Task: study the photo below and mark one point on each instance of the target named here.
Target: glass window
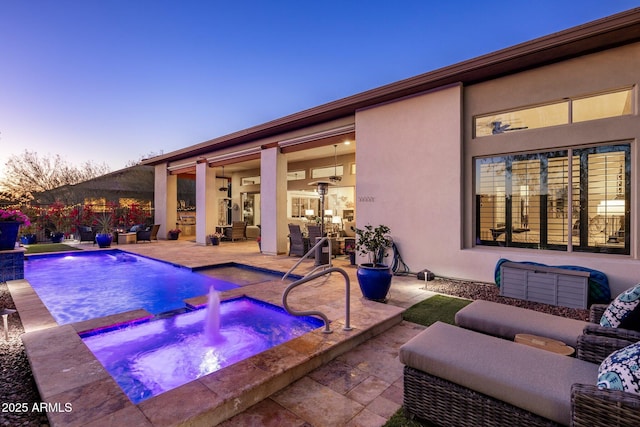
(303, 204)
(327, 172)
(602, 106)
(523, 200)
(604, 199)
(582, 109)
(296, 175)
(527, 118)
(250, 180)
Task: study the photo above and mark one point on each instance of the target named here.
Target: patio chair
(313, 232)
(87, 234)
(298, 244)
(148, 234)
(238, 230)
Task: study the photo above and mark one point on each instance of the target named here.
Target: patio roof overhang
(612, 31)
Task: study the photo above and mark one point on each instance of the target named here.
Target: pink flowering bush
(13, 215)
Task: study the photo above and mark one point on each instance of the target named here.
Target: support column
(273, 201)
(165, 200)
(206, 207)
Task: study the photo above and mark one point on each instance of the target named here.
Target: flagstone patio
(350, 378)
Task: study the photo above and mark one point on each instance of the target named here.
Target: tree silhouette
(29, 173)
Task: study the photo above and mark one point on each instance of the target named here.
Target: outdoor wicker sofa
(458, 377)
(505, 321)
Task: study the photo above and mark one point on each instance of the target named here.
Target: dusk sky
(113, 80)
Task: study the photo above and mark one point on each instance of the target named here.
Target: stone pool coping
(69, 376)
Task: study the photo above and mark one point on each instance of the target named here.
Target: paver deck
(343, 378)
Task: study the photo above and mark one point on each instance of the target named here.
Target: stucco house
(528, 153)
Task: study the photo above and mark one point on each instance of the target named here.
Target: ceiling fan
(335, 177)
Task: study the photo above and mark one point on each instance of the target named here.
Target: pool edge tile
(33, 313)
(181, 405)
(89, 403)
(60, 361)
(111, 320)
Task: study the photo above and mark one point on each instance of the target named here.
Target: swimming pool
(86, 285)
(155, 356)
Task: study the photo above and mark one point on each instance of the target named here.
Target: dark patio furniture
(313, 232)
(87, 234)
(298, 244)
(148, 234)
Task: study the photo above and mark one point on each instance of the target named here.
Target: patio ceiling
(304, 152)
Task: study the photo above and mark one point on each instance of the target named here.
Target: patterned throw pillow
(624, 311)
(621, 370)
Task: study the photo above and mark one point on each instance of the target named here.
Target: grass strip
(49, 247)
(438, 307)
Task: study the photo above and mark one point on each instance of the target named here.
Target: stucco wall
(415, 175)
(408, 176)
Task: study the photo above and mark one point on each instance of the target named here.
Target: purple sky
(113, 80)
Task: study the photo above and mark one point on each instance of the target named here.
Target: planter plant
(10, 223)
(215, 238)
(28, 235)
(374, 277)
(350, 249)
(174, 234)
(104, 226)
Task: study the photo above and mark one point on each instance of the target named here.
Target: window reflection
(582, 109)
(531, 200)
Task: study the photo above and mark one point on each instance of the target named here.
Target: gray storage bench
(505, 321)
(548, 285)
(454, 376)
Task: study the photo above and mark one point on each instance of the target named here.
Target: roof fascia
(606, 33)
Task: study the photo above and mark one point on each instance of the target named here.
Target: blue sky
(112, 80)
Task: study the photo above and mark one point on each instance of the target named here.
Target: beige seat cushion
(506, 321)
(535, 380)
(253, 232)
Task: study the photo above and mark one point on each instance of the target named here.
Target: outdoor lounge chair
(238, 230)
(298, 244)
(148, 234)
(457, 377)
(505, 321)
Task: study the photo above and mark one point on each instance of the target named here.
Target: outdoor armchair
(238, 230)
(313, 232)
(298, 244)
(86, 234)
(148, 234)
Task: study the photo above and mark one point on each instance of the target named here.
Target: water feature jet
(212, 318)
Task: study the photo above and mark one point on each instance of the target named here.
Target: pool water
(155, 356)
(81, 286)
